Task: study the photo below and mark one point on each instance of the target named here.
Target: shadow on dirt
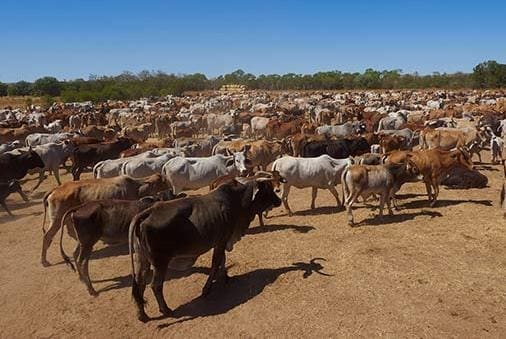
(396, 218)
(444, 203)
(239, 289)
(319, 211)
(276, 228)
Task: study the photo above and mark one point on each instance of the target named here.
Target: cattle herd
(146, 155)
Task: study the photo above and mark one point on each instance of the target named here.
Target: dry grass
(425, 272)
(20, 101)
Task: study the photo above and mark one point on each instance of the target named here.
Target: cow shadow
(444, 203)
(239, 290)
(5, 218)
(396, 218)
(126, 280)
(483, 167)
(319, 211)
(23, 204)
(110, 251)
(276, 228)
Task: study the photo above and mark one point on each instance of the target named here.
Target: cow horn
(264, 179)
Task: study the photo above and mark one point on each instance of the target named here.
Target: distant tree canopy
(47, 86)
(127, 85)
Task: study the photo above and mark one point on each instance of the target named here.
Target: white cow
(112, 167)
(55, 126)
(36, 139)
(10, 146)
(53, 155)
(340, 131)
(194, 173)
(138, 168)
(322, 172)
(258, 125)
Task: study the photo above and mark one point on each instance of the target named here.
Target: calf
(105, 220)
(73, 193)
(364, 180)
(6, 189)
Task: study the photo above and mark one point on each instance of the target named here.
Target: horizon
(72, 40)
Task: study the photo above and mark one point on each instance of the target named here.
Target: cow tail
(62, 251)
(44, 202)
(344, 186)
(133, 235)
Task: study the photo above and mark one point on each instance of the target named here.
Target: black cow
(16, 166)
(6, 189)
(90, 154)
(106, 220)
(175, 233)
(337, 149)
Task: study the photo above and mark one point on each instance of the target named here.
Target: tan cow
(73, 193)
(434, 165)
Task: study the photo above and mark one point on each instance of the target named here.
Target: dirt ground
(425, 272)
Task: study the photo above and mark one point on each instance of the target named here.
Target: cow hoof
(143, 317)
(45, 263)
(166, 311)
(93, 293)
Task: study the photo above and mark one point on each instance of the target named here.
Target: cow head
(275, 178)
(241, 161)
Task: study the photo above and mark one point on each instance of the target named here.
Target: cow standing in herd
(175, 233)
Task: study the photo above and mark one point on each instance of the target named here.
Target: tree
(3, 89)
(19, 88)
(489, 74)
(47, 86)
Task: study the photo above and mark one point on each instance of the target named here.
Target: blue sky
(71, 39)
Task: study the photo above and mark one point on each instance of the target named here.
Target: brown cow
(390, 143)
(73, 193)
(434, 165)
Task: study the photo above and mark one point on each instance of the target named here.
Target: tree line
(489, 74)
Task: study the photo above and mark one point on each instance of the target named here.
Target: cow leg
(56, 174)
(314, 192)
(389, 198)
(218, 260)
(261, 219)
(157, 286)
(381, 205)
(428, 187)
(41, 179)
(284, 198)
(82, 263)
(48, 238)
(139, 282)
(4, 205)
(77, 250)
(436, 192)
(351, 201)
(333, 190)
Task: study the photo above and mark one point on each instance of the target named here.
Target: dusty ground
(425, 272)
